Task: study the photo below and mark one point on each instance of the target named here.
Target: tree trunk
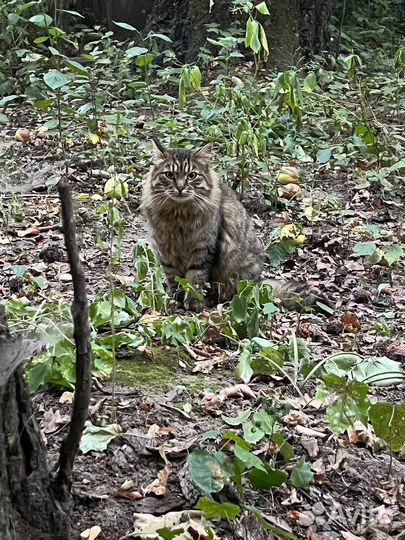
(295, 28)
(27, 502)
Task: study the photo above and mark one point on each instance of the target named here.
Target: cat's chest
(176, 238)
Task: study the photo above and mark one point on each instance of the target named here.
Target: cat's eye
(192, 175)
(170, 175)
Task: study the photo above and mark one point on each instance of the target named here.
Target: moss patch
(171, 366)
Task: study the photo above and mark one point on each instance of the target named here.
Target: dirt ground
(358, 485)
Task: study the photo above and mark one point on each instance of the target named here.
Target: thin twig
(81, 334)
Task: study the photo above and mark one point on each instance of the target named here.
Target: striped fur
(201, 230)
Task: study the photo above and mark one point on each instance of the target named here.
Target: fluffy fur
(201, 230)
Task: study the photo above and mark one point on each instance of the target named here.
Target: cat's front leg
(198, 277)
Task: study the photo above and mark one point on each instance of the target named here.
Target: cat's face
(179, 175)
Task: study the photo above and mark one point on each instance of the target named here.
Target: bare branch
(81, 326)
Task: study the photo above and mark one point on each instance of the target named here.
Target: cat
(203, 233)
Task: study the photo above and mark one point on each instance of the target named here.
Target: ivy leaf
(302, 476)
(56, 79)
(209, 471)
(268, 478)
(389, 423)
(97, 438)
(239, 308)
(213, 509)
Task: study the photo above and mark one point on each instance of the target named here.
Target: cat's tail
(295, 295)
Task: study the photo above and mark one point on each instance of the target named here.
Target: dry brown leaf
(292, 499)
(309, 432)
(349, 536)
(351, 322)
(159, 486)
(237, 391)
(90, 534)
(31, 231)
(311, 446)
(124, 280)
(197, 530)
(360, 434)
(294, 418)
(318, 466)
(66, 397)
(52, 420)
(301, 518)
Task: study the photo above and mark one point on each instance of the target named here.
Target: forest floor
(358, 485)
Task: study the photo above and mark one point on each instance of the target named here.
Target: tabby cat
(203, 233)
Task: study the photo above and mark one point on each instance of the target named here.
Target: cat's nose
(180, 189)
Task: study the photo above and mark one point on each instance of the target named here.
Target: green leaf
(39, 374)
(195, 78)
(285, 449)
(214, 509)
(364, 248)
(136, 51)
(389, 423)
(244, 369)
(74, 13)
(209, 470)
(239, 308)
(41, 39)
(252, 35)
(235, 421)
(323, 156)
(248, 459)
(350, 403)
(159, 36)
(302, 476)
(265, 421)
(55, 79)
(170, 534)
(125, 26)
(42, 20)
(3, 118)
(77, 68)
(268, 478)
(310, 82)
(97, 438)
(252, 433)
(263, 41)
(7, 99)
(231, 436)
(262, 8)
(144, 60)
(393, 254)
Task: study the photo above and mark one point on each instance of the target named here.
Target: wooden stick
(81, 325)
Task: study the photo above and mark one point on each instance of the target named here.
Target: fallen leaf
(159, 486)
(351, 322)
(90, 534)
(66, 397)
(237, 391)
(31, 231)
(349, 536)
(52, 420)
(301, 518)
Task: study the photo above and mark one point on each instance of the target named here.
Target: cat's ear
(204, 153)
(159, 151)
